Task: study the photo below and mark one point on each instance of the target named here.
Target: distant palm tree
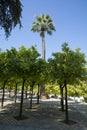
(43, 24)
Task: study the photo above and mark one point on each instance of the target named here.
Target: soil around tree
(70, 122)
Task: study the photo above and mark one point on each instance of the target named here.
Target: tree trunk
(42, 92)
(10, 91)
(15, 92)
(66, 105)
(2, 102)
(43, 46)
(26, 92)
(22, 95)
(38, 93)
(31, 95)
(62, 100)
(42, 89)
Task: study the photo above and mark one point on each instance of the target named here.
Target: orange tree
(26, 58)
(67, 67)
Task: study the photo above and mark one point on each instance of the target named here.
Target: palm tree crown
(43, 24)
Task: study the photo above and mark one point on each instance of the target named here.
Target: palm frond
(43, 24)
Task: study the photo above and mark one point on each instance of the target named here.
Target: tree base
(69, 122)
(44, 96)
(20, 118)
(60, 109)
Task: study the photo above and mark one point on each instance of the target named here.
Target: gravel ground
(45, 116)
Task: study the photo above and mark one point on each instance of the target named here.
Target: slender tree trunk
(22, 95)
(38, 93)
(15, 92)
(26, 92)
(31, 95)
(66, 105)
(43, 45)
(62, 100)
(42, 88)
(10, 91)
(2, 102)
(42, 91)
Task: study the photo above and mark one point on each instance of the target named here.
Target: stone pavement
(46, 116)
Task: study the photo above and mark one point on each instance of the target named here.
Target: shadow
(70, 122)
(45, 115)
(22, 118)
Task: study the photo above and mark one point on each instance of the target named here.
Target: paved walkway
(46, 116)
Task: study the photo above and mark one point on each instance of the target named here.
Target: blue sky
(69, 18)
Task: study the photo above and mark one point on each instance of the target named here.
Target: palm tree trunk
(42, 88)
(43, 45)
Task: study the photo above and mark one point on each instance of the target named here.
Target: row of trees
(24, 66)
(66, 67)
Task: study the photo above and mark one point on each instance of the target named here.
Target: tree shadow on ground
(42, 114)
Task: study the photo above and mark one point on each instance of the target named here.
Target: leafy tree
(26, 59)
(56, 69)
(10, 15)
(43, 24)
(4, 73)
(13, 65)
(42, 72)
(68, 67)
(7, 67)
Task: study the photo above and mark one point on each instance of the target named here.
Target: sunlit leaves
(68, 65)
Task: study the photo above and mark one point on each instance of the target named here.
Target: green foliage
(39, 71)
(27, 59)
(23, 64)
(52, 89)
(68, 65)
(10, 14)
(13, 61)
(4, 70)
(43, 24)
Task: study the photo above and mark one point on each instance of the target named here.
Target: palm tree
(43, 24)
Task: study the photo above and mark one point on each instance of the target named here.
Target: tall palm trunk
(42, 89)
(43, 45)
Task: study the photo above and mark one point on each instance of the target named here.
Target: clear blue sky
(70, 20)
